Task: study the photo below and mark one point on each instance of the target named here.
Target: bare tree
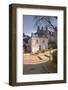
(49, 21)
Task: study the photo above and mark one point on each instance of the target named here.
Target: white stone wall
(52, 38)
(36, 45)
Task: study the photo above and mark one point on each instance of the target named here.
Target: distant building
(42, 40)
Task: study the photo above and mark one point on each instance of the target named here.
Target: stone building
(42, 40)
(38, 43)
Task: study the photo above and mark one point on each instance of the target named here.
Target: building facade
(38, 43)
(42, 40)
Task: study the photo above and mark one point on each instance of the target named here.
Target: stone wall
(39, 43)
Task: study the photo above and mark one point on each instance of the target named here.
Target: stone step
(42, 57)
(47, 56)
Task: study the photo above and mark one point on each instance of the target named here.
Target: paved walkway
(38, 63)
(46, 67)
(37, 58)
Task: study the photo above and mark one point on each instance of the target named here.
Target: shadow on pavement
(47, 67)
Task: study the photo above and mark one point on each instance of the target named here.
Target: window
(36, 41)
(43, 41)
(39, 47)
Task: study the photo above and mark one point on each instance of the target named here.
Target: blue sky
(29, 22)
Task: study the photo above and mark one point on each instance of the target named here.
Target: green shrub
(54, 57)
